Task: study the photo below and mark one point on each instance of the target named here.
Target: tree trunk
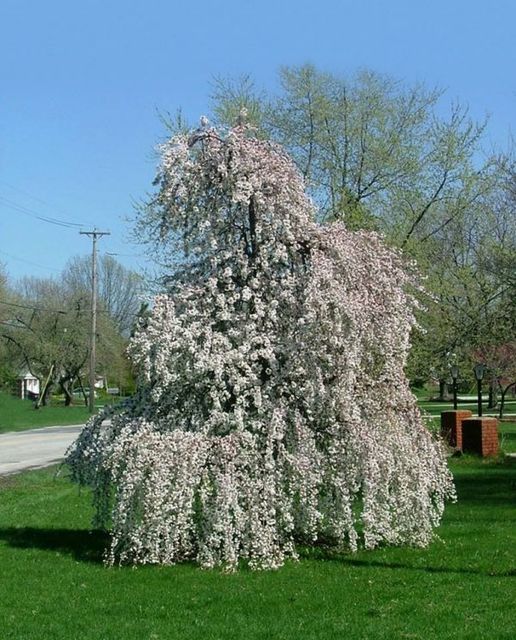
(493, 396)
(79, 380)
(65, 387)
(45, 399)
(442, 389)
(502, 398)
(42, 400)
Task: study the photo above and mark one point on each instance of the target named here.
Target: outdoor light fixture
(454, 370)
(479, 370)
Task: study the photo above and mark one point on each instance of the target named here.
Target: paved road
(35, 448)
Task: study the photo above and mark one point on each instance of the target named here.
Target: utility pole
(93, 337)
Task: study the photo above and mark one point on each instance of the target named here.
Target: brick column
(480, 435)
(451, 426)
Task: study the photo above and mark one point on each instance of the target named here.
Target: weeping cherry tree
(272, 409)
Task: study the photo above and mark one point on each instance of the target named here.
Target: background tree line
(385, 156)
(45, 326)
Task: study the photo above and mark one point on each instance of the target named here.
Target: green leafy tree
(7, 364)
(379, 154)
(48, 333)
(374, 151)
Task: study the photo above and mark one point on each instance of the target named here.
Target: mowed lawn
(17, 415)
(53, 584)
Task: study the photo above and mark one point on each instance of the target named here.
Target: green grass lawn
(435, 408)
(53, 584)
(506, 428)
(16, 414)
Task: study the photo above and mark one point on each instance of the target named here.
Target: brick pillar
(480, 435)
(451, 426)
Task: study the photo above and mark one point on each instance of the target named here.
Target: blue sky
(80, 83)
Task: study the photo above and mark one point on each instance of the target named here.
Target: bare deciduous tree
(120, 289)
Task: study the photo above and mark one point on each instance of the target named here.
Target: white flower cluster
(272, 407)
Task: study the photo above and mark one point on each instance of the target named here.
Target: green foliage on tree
(379, 154)
(45, 326)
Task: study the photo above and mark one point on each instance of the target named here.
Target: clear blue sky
(80, 82)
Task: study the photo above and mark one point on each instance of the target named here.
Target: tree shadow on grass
(488, 488)
(378, 564)
(88, 546)
(484, 488)
(82, 544)
(347, 558)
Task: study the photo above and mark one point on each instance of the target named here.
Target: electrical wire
(125, 255)
(32, 308)
(32, 213)
(32, 197)
(34, 264)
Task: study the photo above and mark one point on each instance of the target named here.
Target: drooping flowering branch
(272, 403)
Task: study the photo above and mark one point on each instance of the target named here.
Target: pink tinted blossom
(272, 405)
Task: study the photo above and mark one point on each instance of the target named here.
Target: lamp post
(479, 370)
(454, 370)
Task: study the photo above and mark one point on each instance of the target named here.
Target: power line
(32, 308)
(32, 213)
(34, 264)
(32, 196)
(125, 255)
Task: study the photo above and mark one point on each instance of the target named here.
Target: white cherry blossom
(272, 407)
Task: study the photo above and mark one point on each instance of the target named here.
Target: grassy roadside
(17, 415)
(53, 584)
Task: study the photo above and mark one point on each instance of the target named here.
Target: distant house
(27, 385)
